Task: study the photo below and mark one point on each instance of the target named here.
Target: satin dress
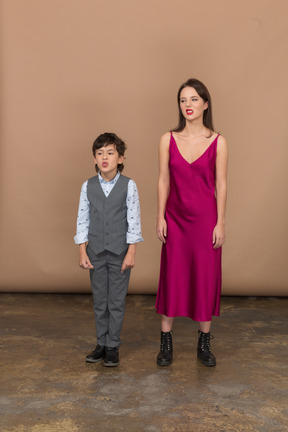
(190, 269)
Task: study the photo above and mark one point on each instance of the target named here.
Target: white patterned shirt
(133, 234)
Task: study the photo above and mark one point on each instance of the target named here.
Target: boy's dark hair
(109, 138)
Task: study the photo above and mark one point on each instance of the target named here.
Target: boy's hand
(129, 260)
(84, 261)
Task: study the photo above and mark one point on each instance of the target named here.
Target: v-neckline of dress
(191, 163)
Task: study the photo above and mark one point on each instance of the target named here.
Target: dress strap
(172, 139)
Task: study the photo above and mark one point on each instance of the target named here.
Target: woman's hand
(218, 236)
(161, 230)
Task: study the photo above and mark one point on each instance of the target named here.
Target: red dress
(190, 271)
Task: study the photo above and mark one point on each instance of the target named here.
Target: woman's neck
(195, 129)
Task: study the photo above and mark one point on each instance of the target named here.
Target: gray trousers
(109, 288)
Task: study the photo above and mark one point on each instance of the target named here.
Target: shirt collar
(112, 182)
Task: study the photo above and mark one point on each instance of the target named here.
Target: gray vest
(108, 216)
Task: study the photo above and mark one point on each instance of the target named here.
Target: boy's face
(107, 159)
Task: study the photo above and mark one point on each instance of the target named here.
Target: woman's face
(191, 104)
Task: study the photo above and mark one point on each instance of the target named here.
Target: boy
(109, 220)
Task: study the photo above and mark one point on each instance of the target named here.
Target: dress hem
(188, 316)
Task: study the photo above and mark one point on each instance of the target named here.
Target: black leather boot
(165, 355)
(203, 350)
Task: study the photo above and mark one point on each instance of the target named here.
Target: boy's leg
(118, 286)
(99, 285)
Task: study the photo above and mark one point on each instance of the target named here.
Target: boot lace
(205, 341)
(166, 341)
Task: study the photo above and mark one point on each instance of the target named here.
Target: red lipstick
(189, 111)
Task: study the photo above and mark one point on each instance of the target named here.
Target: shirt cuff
(81, 238)
(133, 238)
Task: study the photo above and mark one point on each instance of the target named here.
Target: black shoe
(165, 355)
(203, 350)
(97, 355)
(111, 357)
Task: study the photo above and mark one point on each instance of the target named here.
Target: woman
(191, 220)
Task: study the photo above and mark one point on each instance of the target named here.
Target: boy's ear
(121, 159)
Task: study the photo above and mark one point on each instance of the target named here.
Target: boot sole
(163, 364)
(207, 364)
(94, 361)
(111, 364)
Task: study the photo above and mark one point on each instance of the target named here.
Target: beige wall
(72, 69)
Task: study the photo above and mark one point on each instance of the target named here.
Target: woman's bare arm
(163, 186)
(221, 192)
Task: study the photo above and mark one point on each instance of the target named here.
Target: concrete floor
(47, 386)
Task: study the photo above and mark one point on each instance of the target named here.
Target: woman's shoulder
(222, 147)
(222, 140)
(166, 136)
(165, 140)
